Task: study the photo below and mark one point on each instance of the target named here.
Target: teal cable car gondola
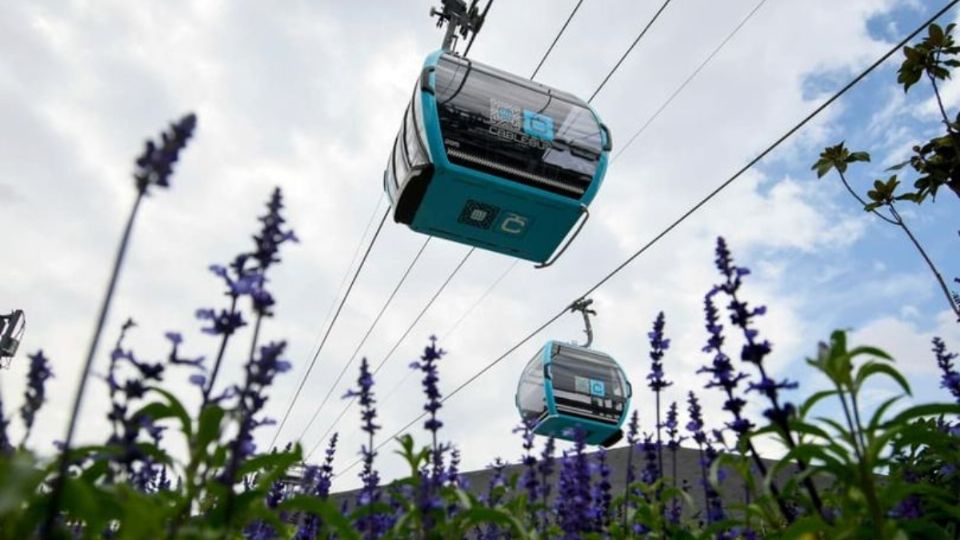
(495, 161)
(567, 387)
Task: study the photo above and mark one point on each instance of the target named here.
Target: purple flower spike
(35, 394)
(754, 351)
(155, 164)
(272, 233)
(949, 377)
(5, 446)
(573, 505)
(428, 365)
(370, 525)
(658, 344)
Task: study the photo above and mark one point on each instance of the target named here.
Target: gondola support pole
(583, 306)
(459, 20)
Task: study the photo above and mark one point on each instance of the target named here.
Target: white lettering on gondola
(509, 135)
(513, 224)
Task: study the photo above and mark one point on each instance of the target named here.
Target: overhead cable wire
(556, 39)
(689, 78)
(363, 340)
(453, 328)
(397, 344)
(483, 17)
(629, 49)
(776, 143)
(336, 315)
(346, 271)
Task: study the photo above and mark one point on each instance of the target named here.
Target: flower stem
(220, 353)
(245, 420)
(57, 491)
(953, 184)
(843, 178)
(923, 253)
(866, 472)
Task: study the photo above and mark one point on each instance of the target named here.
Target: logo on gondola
(593, 387)
(511, 123)
(514, 224)
(478, 214)
(538, 125)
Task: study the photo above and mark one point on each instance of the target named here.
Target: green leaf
(858, 156)
(208, 428)
(176, 410)
(928, 409)
(872, 368)
(935, 33)
(812, 400)
(269, 463)
(877, 416)
(804, 528)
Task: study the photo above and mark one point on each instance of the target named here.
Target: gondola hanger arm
(583, 306)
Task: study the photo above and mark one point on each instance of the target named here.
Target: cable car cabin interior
(493, 160)
(565, 387)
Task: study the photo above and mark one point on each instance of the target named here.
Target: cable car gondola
(567, 387)
(12, 327)
(495, 161)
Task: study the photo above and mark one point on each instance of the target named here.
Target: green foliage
(932, 56)
(837, 157)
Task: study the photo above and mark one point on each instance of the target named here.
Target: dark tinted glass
(587, 384)
(509, 127)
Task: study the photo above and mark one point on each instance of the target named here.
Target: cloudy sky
(308, 96)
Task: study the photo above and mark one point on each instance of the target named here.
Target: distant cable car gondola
(566, 387)
(11, 333)
(493, 160)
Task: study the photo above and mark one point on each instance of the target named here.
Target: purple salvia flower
(495, 490)
(35, 393)
(155, 164)
(224, 323)
(573, 504)
(452, 477)
(673, 444)
(325, 479)
(317, 481)
(369, 525)
(428, 365)
(545, 468)
(673, 428)
(602, 497)
(5, 446)
(715, 512)
(695, 426)
(753, 351)
(949, 377)
(260, 372)
(630, 475)
(271, 233)
(651, 470)
(657, 382)
(531, 483)
(721, 369)
(658, 345)
(174, 357)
